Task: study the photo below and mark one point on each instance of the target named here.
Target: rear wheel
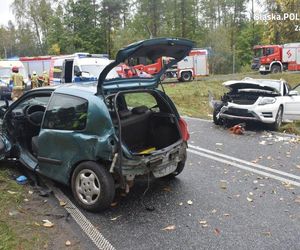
(92, 186)
(186, 76)
(276, 125)
(275, 69)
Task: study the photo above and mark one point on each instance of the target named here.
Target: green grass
(17, 231)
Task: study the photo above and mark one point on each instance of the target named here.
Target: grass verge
(17, 229)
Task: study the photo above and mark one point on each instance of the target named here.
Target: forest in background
(226, 27)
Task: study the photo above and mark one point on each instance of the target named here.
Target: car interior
(24, 122)
(154, 127)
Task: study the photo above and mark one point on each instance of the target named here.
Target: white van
(5, 74)
(78, 67)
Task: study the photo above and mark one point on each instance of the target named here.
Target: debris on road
(217, 231)
(249, 199)
(68, 243)
(167, 189)
(238, 129)
(115, 218)
(169, 228)
(190, 202)
(47, 223)
(223, 184)
(21, 180)
(62, 203)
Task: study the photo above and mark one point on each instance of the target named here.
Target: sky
(5, 12)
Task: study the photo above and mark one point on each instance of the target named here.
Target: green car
(100, 136)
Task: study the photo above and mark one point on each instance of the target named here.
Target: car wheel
(92, 186)
(275, 69)
(217, 121)
(186, 76)
(278, 121)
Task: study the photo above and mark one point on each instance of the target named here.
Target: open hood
(151, 49)
(259, 84)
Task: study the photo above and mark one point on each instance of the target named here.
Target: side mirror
(293, 93)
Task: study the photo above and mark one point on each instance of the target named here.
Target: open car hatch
(151, 49)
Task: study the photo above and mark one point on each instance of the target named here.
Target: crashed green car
(100, 136)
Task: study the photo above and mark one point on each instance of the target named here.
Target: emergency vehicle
(39, 64)
(195, 64)
(78, 67)
(276, 58)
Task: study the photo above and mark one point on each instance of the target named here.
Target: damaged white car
(263, 100)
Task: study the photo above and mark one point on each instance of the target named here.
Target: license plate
(163, 171)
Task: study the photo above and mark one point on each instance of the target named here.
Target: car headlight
(267, 100)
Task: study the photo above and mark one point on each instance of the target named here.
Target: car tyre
(276, 69)
(92, 186)
(278, 121)
(186, 76)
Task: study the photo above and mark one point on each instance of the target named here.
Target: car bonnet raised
(151, 49)
(260, 84)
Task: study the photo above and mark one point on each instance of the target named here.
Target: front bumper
(264, 68)
(262, 113)
(159, 164)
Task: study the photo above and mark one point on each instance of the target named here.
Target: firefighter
(34, 80)
(17, 81)
(46, 78)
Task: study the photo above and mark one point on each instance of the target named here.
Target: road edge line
(88, 228)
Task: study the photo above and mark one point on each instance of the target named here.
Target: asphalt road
(234, 193)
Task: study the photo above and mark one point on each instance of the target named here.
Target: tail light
(184, 130)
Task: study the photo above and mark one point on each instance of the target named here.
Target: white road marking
(83, 222)
(246, 162)
(282, 179)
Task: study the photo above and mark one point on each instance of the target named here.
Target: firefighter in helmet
(17, 81)
(46, 78)
(34, 80)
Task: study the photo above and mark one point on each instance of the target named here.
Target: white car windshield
(95, 70)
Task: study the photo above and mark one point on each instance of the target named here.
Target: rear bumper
(159, 164)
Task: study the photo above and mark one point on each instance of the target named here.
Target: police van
(78, 67)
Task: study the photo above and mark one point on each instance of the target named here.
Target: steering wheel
(34, 114)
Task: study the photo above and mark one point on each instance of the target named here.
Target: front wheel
(278, 121)
(276, 69)
(92, 186)
(186, 76)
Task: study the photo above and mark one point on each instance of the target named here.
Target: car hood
(151, 49)
(253, 85)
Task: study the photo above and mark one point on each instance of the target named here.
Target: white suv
(265, 100)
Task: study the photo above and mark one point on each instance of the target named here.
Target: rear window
(66, 112)
(140, 99)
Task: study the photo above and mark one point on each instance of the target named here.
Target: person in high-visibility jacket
(46, 78)
(18, 83)
(34, 80)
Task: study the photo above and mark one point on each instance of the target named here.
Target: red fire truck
(276, 58)
(39, 64)
(195, 64)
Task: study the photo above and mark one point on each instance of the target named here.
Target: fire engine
(193, 65)
(276, 58)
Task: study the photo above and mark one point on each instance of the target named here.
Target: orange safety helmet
(15, 69)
